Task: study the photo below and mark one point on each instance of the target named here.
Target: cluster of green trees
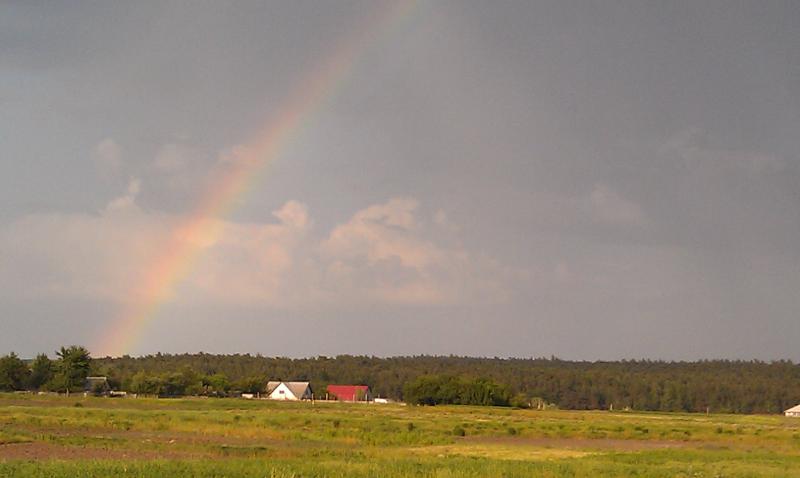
(65, 374)
(452, 390)
(719, 385)
(176, 384)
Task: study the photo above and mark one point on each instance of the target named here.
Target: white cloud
(381, 233)
(382, 254)
(293, 213)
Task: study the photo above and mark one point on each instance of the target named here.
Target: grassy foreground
(98, 437)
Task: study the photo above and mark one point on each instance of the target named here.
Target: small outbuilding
(289, 391)
(350, 393)
(793, 412)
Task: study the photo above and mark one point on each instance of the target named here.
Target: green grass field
(99, 437)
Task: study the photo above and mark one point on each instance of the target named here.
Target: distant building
(793, 412)
(289, 391)
(350, 393)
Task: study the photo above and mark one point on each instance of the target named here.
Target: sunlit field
(98, 437)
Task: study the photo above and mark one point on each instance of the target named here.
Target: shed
(350, 393)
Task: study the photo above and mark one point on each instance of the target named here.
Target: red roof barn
(350, 393)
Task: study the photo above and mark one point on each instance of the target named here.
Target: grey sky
(593, 180)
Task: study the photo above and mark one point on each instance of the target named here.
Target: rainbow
(205, 225)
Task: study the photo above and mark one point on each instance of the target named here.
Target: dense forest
(718, 385)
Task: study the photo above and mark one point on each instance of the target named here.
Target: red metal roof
(348, 393)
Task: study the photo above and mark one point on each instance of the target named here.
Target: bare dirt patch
(48, 451)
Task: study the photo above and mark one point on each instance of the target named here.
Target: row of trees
(452, 390)
(720, 385)
(66, 374)
(185, 382)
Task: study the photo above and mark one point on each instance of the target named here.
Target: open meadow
(76, 436)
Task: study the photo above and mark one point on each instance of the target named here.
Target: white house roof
(272, 385)
(795, 408)
(298, 389)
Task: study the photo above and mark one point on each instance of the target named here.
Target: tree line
(65, 374)
(715, 385)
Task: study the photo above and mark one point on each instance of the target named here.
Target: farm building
(289, 391)
(350, 393)
(793, 412)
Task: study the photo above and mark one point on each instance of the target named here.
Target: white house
(289, 391)
(793, 412)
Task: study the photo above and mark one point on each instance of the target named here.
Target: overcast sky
(591, 180)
